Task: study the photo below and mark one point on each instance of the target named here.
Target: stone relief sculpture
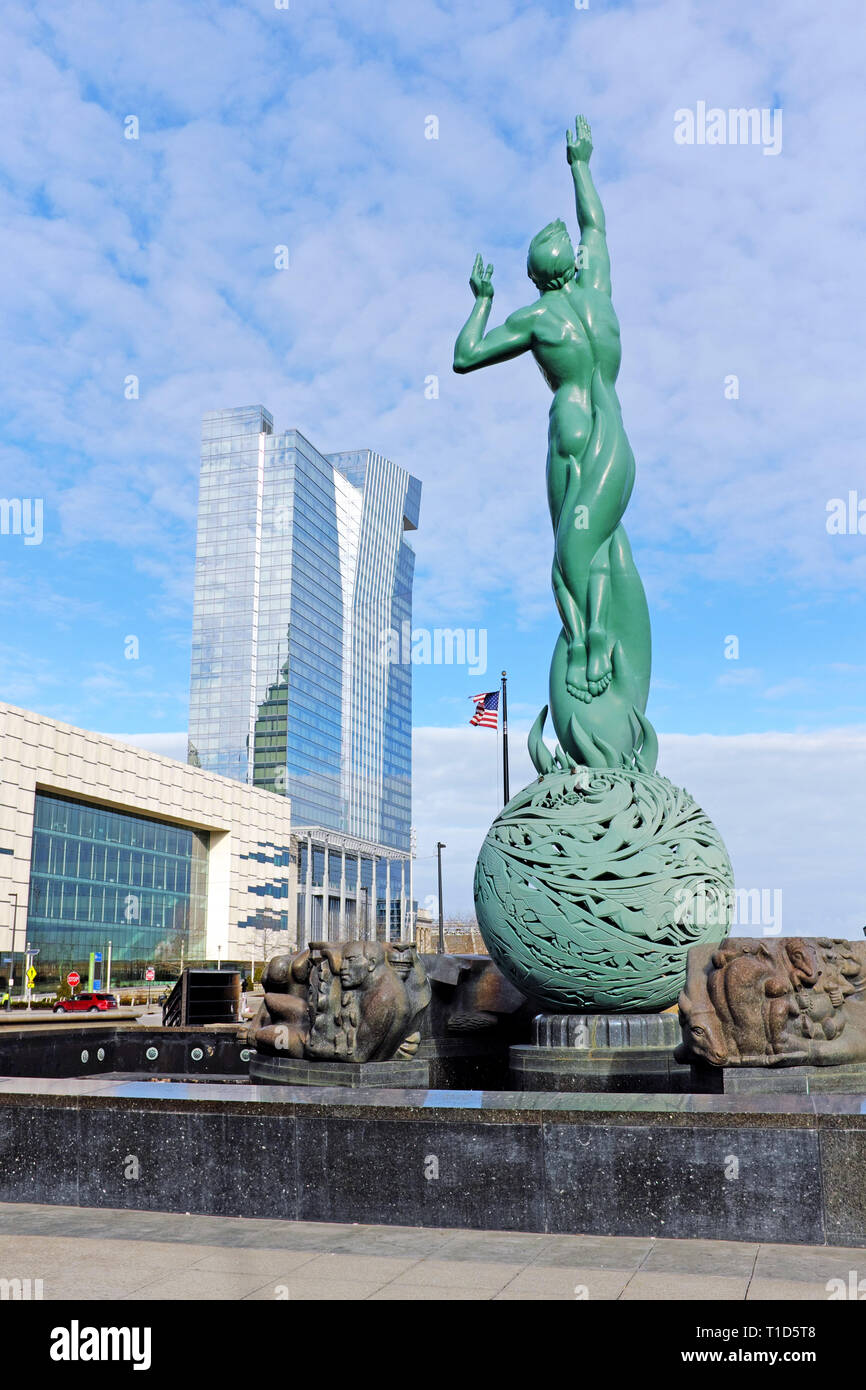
(787, 1001)
(348, 1001)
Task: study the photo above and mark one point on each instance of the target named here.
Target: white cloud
(156, 256)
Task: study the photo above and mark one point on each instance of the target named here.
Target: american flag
(486, 710)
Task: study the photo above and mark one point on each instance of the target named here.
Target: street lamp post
(439, 849)
(413, 845)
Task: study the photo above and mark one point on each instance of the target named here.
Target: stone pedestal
(266, 1069)
(845, 1079)
(600, 1052)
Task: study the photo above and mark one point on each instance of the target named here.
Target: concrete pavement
(85, 1254)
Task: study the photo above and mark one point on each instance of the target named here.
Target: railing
(172, 1009)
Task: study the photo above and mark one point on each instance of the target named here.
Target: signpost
(150, 976)
(29, 973)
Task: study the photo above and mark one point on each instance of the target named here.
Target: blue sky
(305, 127)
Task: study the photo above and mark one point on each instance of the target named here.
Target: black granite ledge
(205, 1096)
(787, 1169)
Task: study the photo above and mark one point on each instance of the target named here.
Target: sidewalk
(21, 1018)
(85, 1254)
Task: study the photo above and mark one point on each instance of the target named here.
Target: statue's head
(401, 958)
(703, 1035)
(357, 961)
(550, 262)
(804, 960)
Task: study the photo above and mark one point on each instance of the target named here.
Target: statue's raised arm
(475, 348)
(593, 261)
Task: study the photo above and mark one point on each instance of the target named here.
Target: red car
(85, 1003)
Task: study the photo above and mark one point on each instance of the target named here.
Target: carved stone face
(804, 959)
(401, 962)
(354, 968)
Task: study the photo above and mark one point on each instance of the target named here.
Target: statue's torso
(575, 331)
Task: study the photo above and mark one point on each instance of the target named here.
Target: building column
(374, 898)
(308, 897)
(388, 898)
(326, 896)
(343, 893)
(359, 898)
(402, 899)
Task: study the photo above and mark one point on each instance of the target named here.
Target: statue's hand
(580, 143)
(481, 280)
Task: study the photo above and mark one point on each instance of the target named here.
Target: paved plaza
(82, 1254)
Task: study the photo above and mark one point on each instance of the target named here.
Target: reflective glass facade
(302, 572)
(97, 875)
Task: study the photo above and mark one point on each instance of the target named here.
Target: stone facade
(252, 869)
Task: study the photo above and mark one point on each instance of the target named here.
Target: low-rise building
(105, 842)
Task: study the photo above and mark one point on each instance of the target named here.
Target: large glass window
(98, 874)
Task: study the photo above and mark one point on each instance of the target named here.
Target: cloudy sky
(307, 127)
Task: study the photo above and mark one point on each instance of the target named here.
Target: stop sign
(73, 979)
(150, 973)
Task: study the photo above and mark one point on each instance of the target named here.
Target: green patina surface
(600, 672)
(592, 885)
(579, 912)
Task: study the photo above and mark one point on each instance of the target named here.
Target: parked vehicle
(86, 1003)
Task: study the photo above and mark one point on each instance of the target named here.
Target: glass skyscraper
(301, 672)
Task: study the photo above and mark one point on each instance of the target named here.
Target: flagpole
(505, 788)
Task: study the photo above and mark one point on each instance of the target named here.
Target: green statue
(599, 676)
(593, 883)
